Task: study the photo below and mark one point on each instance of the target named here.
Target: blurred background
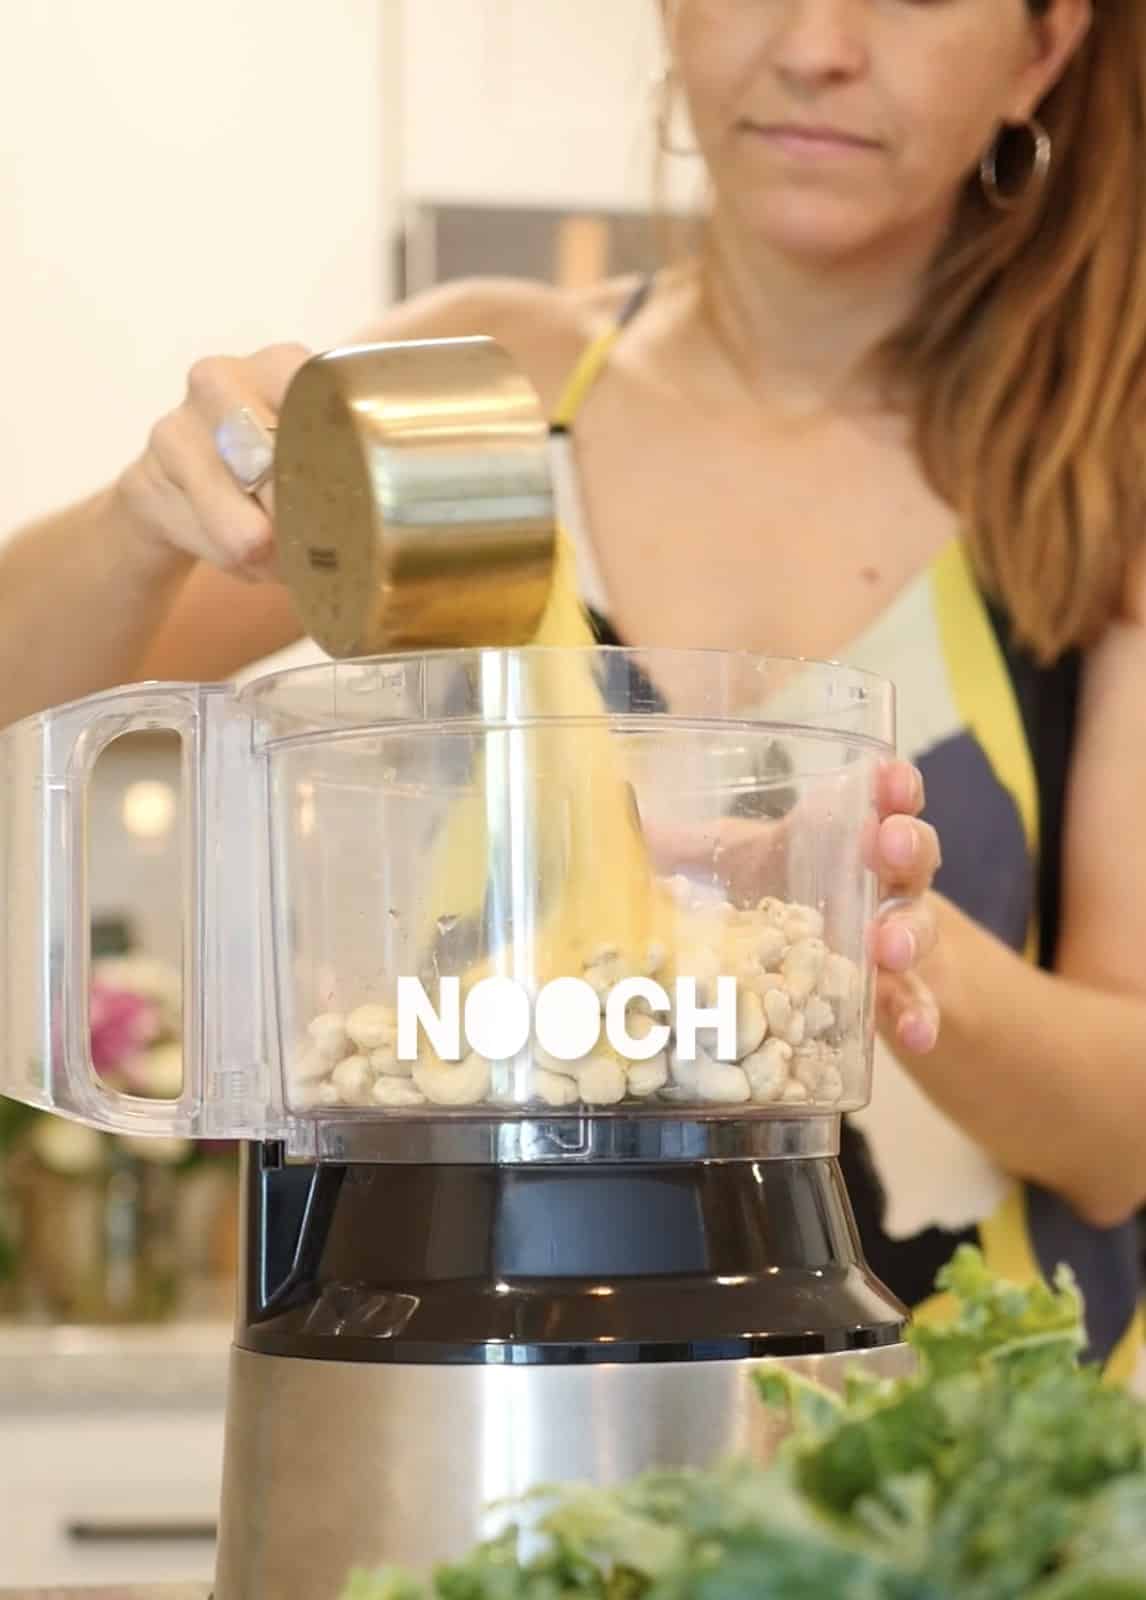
(184, 180)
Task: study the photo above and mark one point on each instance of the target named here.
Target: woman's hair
(1026, 360)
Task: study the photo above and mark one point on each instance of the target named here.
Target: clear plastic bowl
(487, 823)
(641, 877)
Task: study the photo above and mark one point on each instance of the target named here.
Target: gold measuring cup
(413, 506)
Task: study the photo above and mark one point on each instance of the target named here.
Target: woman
(888, 413)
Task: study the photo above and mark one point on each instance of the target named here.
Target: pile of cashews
(799, 1040)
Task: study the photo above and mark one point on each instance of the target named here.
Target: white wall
(182, 177)
(185, 177)
(177, 178)
(537, 102)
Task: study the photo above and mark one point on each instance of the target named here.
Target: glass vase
(97, 1240)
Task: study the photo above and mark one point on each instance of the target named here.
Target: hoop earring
(1042, 151)
(663, 98)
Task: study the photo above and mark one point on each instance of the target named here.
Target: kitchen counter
(64, 1369)
(158, 1592)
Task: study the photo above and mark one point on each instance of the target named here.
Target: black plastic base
(553, 1265)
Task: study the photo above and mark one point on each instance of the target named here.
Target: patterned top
(992, 732)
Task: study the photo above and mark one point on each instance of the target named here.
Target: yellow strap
(584, 376)
(984, 693)
(982, 687)
(985, 699)
(1006, 1248)
(1007, 1241)
(1122, 1362)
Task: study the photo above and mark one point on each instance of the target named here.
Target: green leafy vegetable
(1002, 1469)
(1038, 1326)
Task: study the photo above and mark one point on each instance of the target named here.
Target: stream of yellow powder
(550, 798)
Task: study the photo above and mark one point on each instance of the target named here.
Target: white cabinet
(175, 181)
(111, 1452)
(91, 1498)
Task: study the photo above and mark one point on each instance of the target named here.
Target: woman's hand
(904, 853)
(179, 495)
(751, 857)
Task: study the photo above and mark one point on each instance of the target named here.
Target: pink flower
(122, 1025)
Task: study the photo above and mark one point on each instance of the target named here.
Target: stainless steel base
(331, 1465)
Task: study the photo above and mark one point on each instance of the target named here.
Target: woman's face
(831, 127)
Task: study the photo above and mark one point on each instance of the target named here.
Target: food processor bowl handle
(46, 764)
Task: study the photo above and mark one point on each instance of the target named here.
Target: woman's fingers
(904, 935)
(908, 1014)
(907, 855)
(182, 492)
(899, 787)
(213, 515)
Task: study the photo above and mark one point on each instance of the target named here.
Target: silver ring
(246, 447)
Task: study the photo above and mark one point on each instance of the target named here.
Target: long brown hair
(1026, 360)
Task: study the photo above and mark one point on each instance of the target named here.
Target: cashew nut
(839, 978)
(778, 1011)
(372, 1027)
(767, 1070)
(686, 1074)
(784, 1021)
(812, 1060)
(354, 1080)
(329, 1037)
(310, 1067)
(447, 1085)
(840, 983)
(701, 962)
(802, 968)
(751, 1024)
(802, 922)
(773, 910)
(762, 982)
(603, 968)
(602, 1050)
(309, 1095)
(646, 1077)
(555, 1089)
(831, 1085)
(770, 945)
(386, 1064)
(723, 1084)
(397, 1092)
(602, 1082)
(818, 1017)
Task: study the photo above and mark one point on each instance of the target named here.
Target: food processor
(533, 977)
